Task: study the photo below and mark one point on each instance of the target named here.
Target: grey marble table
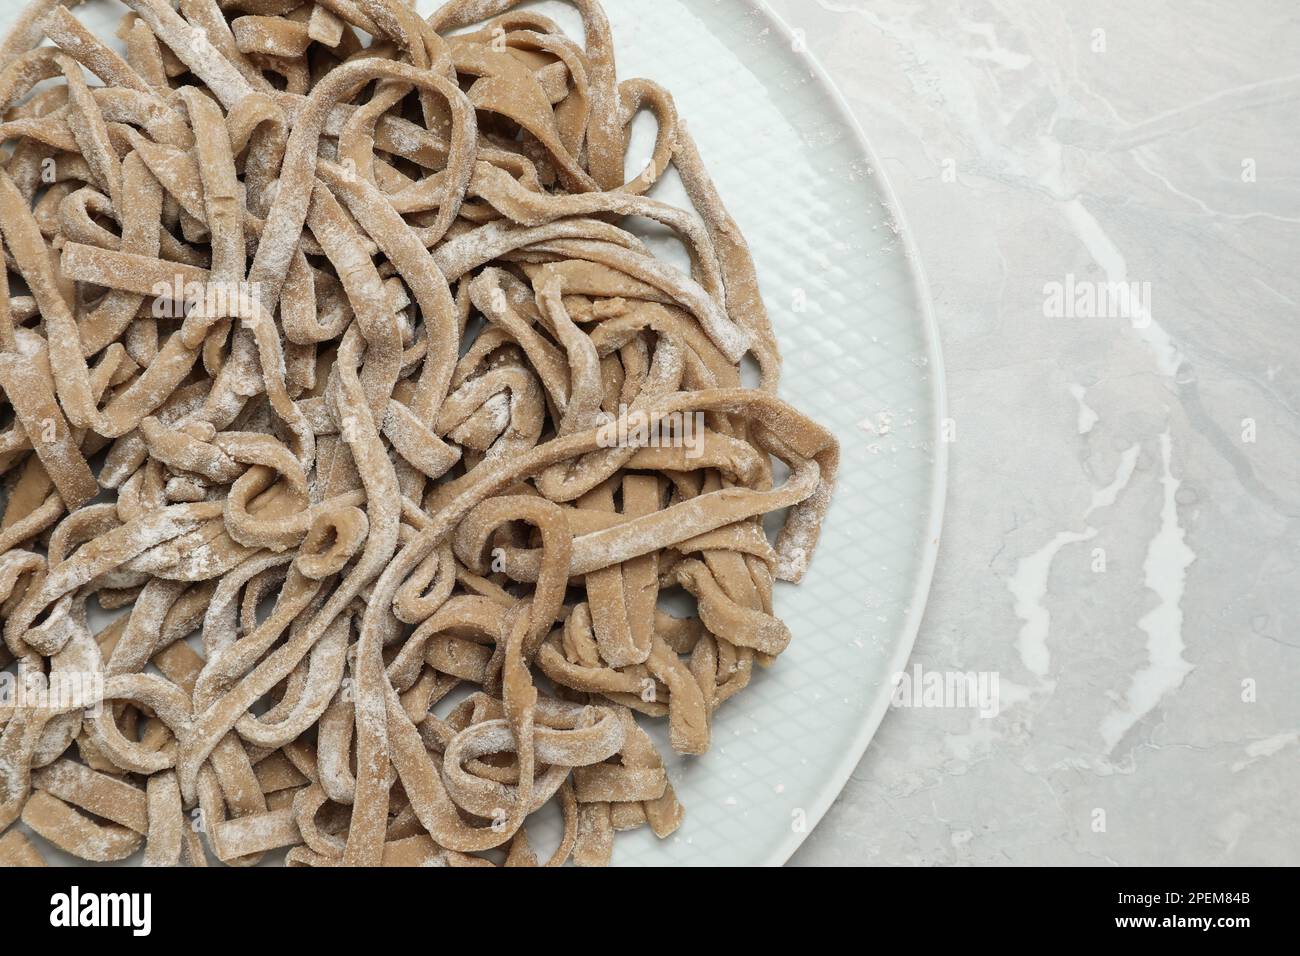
(1120, 548)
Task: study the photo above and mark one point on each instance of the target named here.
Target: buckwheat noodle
(325, 342)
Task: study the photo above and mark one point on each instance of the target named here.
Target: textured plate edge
(939, 473)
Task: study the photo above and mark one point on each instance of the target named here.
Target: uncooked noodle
(335, 369)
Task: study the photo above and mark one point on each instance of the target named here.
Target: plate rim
(829, 792)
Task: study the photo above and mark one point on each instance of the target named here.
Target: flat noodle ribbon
(335, 367)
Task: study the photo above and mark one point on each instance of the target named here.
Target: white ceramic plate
(852, 314)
